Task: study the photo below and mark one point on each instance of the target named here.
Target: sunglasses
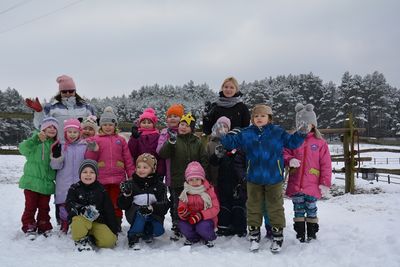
(67, 91)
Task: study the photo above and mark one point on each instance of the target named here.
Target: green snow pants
(81, 227)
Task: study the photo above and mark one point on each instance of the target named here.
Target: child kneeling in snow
(145, 200)
(90, 210)
(198, 207)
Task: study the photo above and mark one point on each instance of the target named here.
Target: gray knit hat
(108, 116)
(89, 163)
(305, 114)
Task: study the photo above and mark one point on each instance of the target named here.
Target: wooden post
(348, 148)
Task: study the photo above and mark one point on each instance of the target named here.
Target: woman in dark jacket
(90, 211)
(230, 105)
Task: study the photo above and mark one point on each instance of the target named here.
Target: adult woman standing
(67, 104)
(230, 105)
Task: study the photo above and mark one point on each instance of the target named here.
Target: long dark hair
(79, 99)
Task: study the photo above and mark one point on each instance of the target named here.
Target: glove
(294, 163)
(172, 136)
(304, 128)
(92, 146)
(145, 210)
(219, 151)
(324, 191)
(34, 104)
(183, 212)
(126, 187)
(135, 132)
(234, 131)
(195, 218)
(56, 150)
(90, 212)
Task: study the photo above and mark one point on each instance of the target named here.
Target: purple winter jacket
(161, 140)
(67, 167)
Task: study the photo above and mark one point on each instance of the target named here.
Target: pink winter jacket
(113, 158)
(196, 204)
(315, 167)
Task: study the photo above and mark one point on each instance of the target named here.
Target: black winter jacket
(81, 195)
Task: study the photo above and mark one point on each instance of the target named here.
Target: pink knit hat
(225, 120)
(150, 114)
(65, 83)
(194, 170)
(72, 123)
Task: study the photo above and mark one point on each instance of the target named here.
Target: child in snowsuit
(182, 149)
(263, 144)
(227, 170)
(310, 175)
(144, 138)
(66, 158)
(90, 211)
(38, 179)
(89, 127)
(144, 199)
(198, 207)
(111, 152)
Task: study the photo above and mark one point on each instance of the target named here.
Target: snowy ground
(355, 230)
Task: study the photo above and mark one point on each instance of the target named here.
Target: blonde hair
(232, 80)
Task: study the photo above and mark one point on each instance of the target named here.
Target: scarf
(228, 102)
(146, 131)
(196, 190)
(69, 102)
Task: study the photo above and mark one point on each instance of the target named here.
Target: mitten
(172, 136)
(183, 212)
(135, 132)
(234, 131)
(145, 210)
(294, 163)
(92, 146)
(56, 150)
(324, 191)
(195, 218)
(90, 212)
(34, 104)
(219, 151)
(126, 187)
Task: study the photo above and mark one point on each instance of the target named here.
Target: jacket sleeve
(29, 145)
(184, 205)
(232, 141)
(129, 166)
(132, 145)
(72, 202)
(203, 156)
(245, 117)
(167, 151)
(124, 202)
(288, 154)
(162, 139)
(214, 210)
(209, 120)
(325, 166)
(162, 205)
(292, 141)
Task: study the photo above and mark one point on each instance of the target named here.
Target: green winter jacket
(38, 175)
(188, 148)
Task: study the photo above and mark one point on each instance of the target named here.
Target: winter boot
(176, 234)
(268, 231)
(300, 228)
(224, 231)
(31, 234)
(312, 228)
(83, 244)
(254, 237)
(133, 242)
(209, 244)
(188, 242)
(277, 239)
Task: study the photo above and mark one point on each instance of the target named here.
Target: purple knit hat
(49, 121)
(225, 120)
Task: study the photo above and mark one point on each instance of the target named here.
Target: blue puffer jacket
(264, 151)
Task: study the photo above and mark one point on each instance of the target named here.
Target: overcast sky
(112, 47)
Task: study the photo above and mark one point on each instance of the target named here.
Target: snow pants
(36, 202)
(201, 230)
(113, 191)
(145, 226)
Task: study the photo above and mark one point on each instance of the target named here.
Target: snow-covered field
(355, 230)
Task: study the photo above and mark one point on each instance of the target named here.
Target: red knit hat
(150, 114)
(194, 170)
(65, 83)
(176, 109)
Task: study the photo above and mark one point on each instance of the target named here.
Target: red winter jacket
(113, 158)
(315, 167)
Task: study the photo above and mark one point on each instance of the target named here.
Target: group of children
(227, 185)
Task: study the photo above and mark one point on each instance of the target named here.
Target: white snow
(355, 230)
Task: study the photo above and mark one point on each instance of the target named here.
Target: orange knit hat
(176, 109)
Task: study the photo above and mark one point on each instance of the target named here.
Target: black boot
(312, 229)
(300, 228)
(277, 239)
(133, 242)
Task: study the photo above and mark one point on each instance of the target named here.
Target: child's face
(72, 134)
(173, 121)
(229, 89)
(88, 132)
(88, 176)
(184, 128)
(147, 124)
(261, 119)
(50, 131)
(143, 169)
(108, 128)
(195, 181)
